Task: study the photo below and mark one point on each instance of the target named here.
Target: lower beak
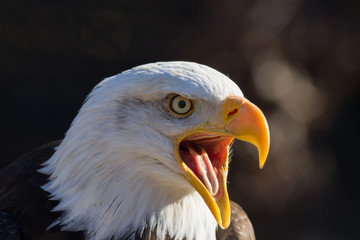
(241, 120)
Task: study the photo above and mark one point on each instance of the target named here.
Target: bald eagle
(145, 158)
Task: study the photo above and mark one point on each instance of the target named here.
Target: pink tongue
(205, 169)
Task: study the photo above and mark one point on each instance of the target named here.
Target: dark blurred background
(298, 60)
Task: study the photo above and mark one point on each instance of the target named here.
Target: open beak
(203, 153)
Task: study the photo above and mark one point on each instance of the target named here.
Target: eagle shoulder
(8, 228)
(240, 227)
(24, 206)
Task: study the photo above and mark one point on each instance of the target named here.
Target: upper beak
(239, 119)
(246, 122)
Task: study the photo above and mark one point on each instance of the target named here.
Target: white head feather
(115, 171)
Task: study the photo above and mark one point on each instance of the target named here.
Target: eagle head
(150, 149)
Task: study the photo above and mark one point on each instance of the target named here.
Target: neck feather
(122, 199)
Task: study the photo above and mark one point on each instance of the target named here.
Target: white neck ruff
(123, 198)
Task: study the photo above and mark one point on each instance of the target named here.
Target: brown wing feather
(24, 205)
(150, 235)
(240, 226)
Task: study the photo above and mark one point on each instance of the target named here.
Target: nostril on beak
(233, 112)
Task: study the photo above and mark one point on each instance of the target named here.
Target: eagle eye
(180, 106)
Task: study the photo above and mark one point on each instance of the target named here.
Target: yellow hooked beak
(249, 125)
(203, 152)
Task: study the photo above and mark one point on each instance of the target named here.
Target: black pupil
(182, 104)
